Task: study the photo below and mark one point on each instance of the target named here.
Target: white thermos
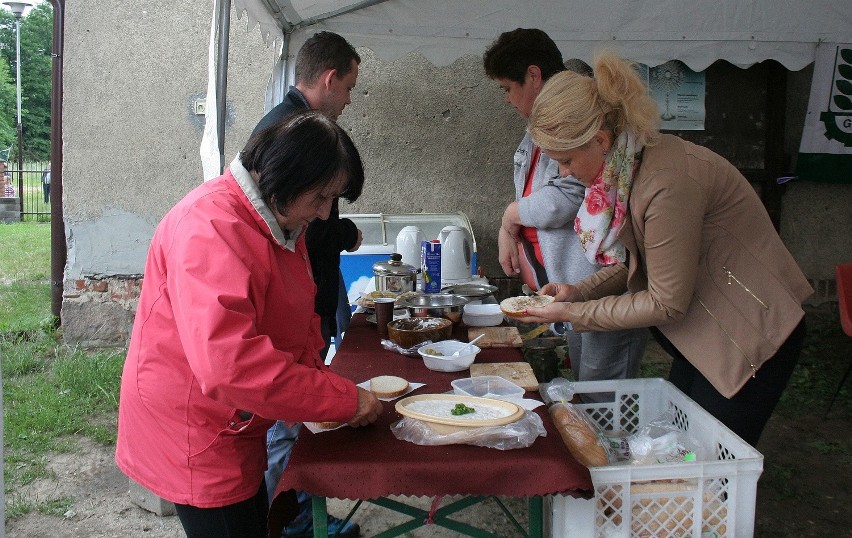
(455, 256)
(408, 245)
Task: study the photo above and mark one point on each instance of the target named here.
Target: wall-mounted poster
(679, 92)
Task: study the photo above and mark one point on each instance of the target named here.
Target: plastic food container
(482, 315)
(487, 386)
(439, 356)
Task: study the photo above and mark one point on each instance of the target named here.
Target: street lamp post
(18, 9)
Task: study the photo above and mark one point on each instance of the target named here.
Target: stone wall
(98, 311)
(10, 209)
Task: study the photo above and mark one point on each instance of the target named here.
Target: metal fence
(33, 195)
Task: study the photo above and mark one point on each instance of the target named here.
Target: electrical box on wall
(200, 107)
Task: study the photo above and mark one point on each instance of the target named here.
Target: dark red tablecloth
(368, 463)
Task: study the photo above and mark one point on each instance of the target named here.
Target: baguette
(388, 386)
(582, 441)
(516, 307)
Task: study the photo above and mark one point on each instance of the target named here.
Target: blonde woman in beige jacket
(682, 232)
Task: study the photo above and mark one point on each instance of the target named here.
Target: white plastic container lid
(487, 386)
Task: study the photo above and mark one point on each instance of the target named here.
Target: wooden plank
(519, 373)
(496, 336)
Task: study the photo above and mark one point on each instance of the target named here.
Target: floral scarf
(602, 214)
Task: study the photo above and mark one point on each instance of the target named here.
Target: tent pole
(223, 16)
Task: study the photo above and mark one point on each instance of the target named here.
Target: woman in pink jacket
(225, 339)
(688, 247)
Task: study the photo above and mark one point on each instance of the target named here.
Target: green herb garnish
(462, 409)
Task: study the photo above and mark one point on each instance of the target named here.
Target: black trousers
(748, 411)
(246, 519)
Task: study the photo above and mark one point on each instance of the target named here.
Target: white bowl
(482, 315)
(439, 356)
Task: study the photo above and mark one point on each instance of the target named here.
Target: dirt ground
(804, 491)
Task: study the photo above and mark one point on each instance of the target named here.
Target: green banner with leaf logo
(825, 153)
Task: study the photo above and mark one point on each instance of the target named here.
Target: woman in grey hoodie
(536, 238)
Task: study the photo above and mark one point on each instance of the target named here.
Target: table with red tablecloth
(370, 463)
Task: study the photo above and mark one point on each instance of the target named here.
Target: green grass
(24, 277)
(52, 393)
(25, 255)
(824, 359)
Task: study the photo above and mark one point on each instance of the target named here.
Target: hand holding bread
(368, 411)
(565, 293)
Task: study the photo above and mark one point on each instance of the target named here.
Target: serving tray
(450, 424)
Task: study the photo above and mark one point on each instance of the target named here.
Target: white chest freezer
(379, 231)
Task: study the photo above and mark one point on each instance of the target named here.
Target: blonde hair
(572, 108)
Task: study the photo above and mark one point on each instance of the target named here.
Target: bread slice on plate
(388, 386)
(516, 307)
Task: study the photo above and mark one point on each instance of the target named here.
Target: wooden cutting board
(496, 336)
(519, 373)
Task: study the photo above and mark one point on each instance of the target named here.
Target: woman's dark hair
(305, 151)
(513, 52)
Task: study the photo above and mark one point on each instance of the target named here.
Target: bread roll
(582, 441)
(388, 386)
(327, 425)
(516, 307)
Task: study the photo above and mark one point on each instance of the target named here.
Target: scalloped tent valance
(742, 32)
(653, 32)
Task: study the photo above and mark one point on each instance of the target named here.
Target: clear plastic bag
(583, 438)
(559, 390)
(390, 345)
(661, 441)
(519, 434)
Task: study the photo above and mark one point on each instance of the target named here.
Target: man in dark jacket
(326, 73)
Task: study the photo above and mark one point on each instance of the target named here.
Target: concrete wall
(132, 72)
(816, 219)
(434, 139)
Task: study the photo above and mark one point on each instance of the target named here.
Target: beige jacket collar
(249, 187)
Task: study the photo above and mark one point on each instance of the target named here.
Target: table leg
(320, 513)
(536, 512)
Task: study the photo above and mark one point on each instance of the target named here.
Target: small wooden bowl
(409, 332)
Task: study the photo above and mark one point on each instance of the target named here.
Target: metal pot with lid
(395, 276)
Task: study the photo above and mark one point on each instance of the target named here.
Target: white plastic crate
(702, 499)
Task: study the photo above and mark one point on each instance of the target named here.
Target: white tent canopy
(742, 32)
